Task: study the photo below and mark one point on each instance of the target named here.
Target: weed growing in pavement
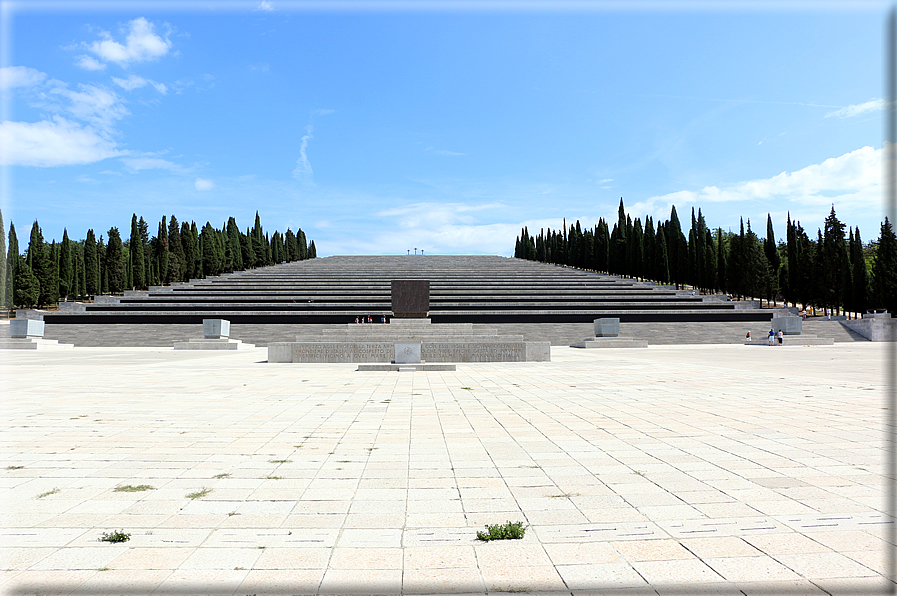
(48, 493)
(14, 467)
(127, 488)
(278, 461)
(119, 536)
(220, 476)
(506, 531)
(200, 493)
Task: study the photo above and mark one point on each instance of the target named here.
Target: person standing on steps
(780, 336)
(771, 337)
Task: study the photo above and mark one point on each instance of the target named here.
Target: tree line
(48, 272)
(832, 271)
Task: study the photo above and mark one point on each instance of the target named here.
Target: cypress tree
(602, 239)
(661, 256)
(247, 249)
(859, 275)
(312, 251)
(710, 279)
(177, 263)
(636, 268)
(4, 303)
(673, 231)
(258, 243)
(66, 267)
(211, 263)
(302, 243)
(234, 245)
(817, 283)
(80, 274)
(756, 268)
(27, 286)
(792, 260)
(115, 266)
(721, 263)
(136, 256)
(13, 258)
(735, 263)
(163, 251)
(91, 265)
(771, 251)
(292, 247)
(277, 248)
(804, 266)
(648, 256)
(834, 251)
(884, 269)
(39, 261)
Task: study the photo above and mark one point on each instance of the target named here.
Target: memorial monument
(409, 338)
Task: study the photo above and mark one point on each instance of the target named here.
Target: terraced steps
(463, 289)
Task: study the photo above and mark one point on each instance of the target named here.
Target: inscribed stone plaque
(410, 298)
(407, 354)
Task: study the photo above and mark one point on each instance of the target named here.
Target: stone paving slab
(715, 469)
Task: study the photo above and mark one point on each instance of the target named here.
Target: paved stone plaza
(718, 469)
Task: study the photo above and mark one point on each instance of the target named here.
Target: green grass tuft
(200, 493)
(119, 536)
(48, 493)
(127, 488)
(505, 531)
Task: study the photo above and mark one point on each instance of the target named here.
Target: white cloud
(874, 105)
(135, 164)
(141, 44)
(322, 112)
(56, 142)
(136, 82)
(303, 172)
(203, 184)
(265, 6)
(852, 182)
(98, 106)
(89, 63)
(20, 76)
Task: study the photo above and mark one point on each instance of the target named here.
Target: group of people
(772, 337)
(368, 319)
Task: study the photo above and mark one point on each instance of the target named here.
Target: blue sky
(379, 128)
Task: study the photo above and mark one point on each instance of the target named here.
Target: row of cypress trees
(48, 272)
(833, 271)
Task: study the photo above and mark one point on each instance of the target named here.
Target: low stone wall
(876, 329)
(384, 352)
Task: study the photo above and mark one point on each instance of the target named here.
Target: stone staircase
(463, 289)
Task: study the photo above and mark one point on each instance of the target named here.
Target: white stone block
(26, 328)
(215, 328)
